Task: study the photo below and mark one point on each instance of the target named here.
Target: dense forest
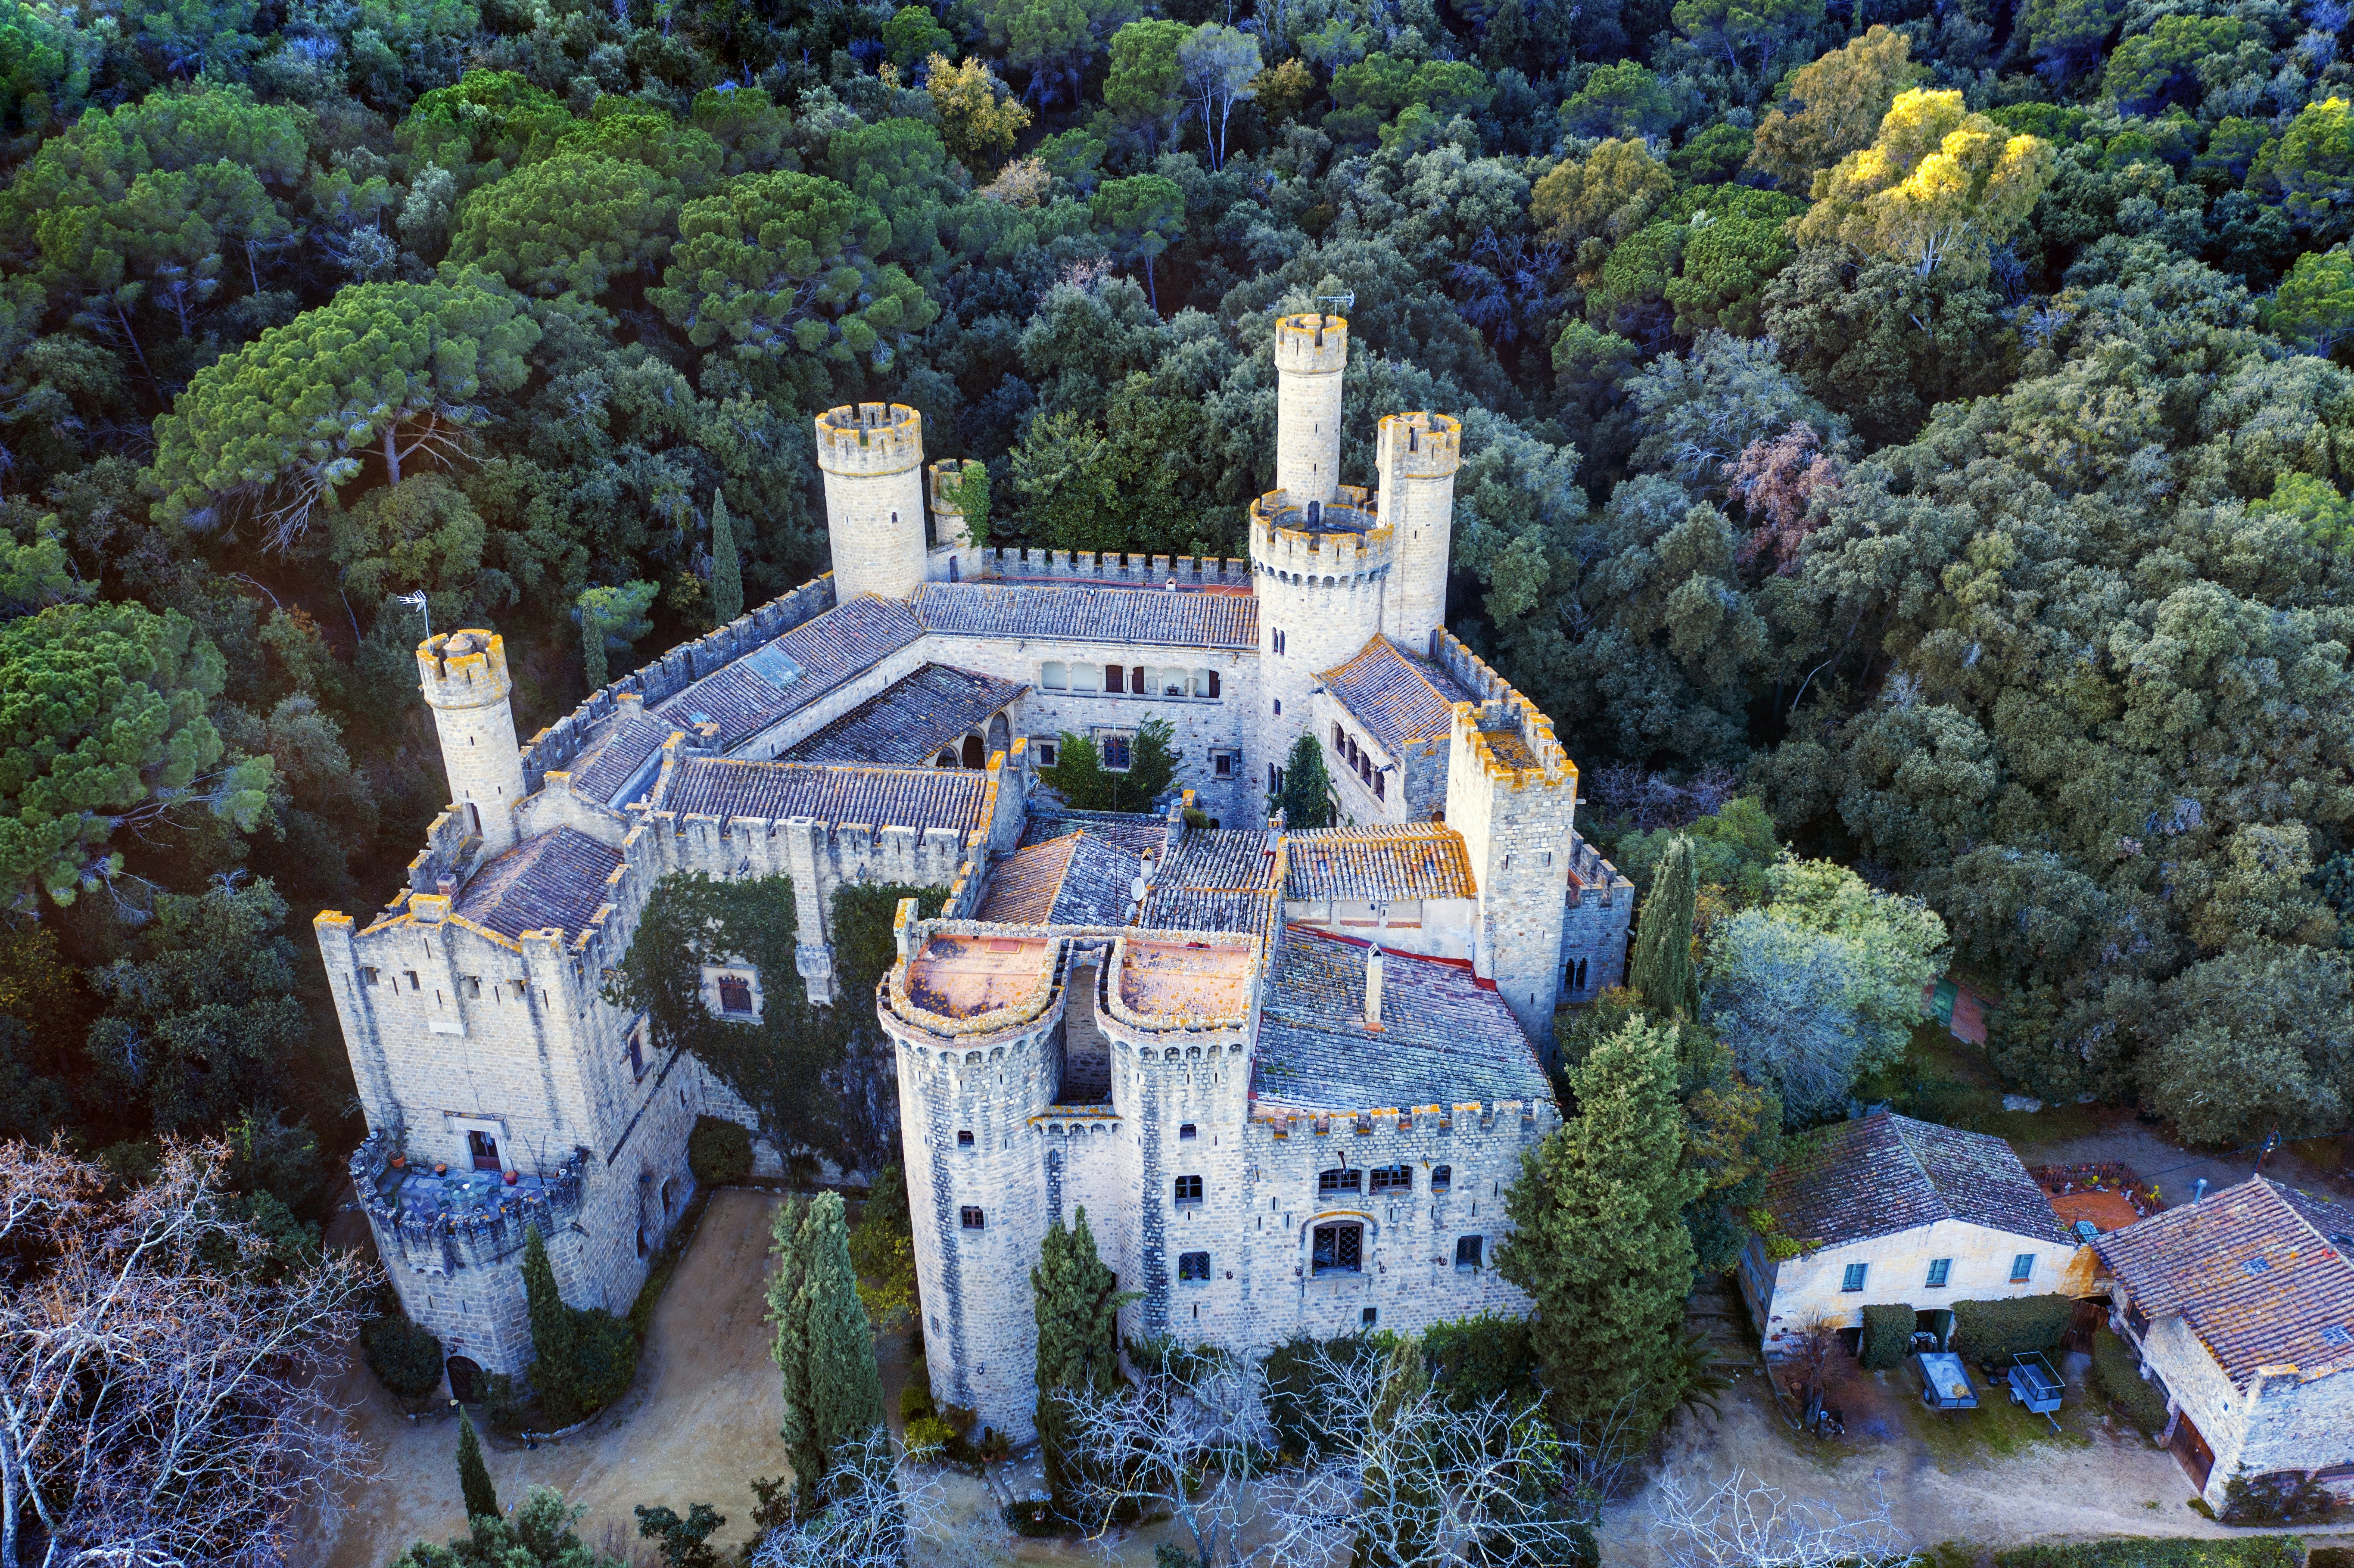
(1921, 423)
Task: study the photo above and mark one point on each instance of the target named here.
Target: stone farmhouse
(2242, 1307)
(1885, 1209)
(1288, 1073)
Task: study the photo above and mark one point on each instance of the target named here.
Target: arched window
(1332, 1183)
(1054, 675)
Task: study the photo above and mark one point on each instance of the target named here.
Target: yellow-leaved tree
(1938, 188)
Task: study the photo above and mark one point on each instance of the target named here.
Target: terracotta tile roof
(1076, 880)
(1085, 614)
(1400, 860)
(1135, 832)
(1216, 880)
(555, 880)
(1883, 1173)
(1445, 1038)
(2258, 1272)
(1396, 696)
(605, 766)
(877, 796)
(910, 721)
(779, 677)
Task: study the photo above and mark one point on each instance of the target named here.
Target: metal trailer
(2034, 1385)
(1946, 1382)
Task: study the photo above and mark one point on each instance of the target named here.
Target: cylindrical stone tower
(873, 458)
(465, 676)
(1320, 583)
(1415, 462)
(949, 529)
(1310, 353)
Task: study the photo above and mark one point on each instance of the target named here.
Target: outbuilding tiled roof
(2259, 1272)
(1445, 1038)
(1400, 860)
(1087, 614)
(1396, 696)
(782, 676)
(556, 880)
(877, 796)
(908, 721)
(1883, 1173)
(605, 766)
(1215, 880)
(1076, 880)
(1137, 832)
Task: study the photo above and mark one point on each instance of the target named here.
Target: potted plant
(511, 1177)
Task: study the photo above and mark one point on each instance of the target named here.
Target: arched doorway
(465, 1380)
(973, 754)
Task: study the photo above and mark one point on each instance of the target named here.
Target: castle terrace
(972, 976)
(775, 791)
(911, 719)
(1185, 980)
(557, 881)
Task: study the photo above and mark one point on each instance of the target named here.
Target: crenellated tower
(1415, 462)
(464, 677)
(873, 458)
(1320, 569)
(954, 556)
(1310, 354)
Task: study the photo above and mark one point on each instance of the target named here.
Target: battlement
(949, 471)
(1345, 538)
(463, 668)
(437, 1227)
(870, 438)
(1130, 571)
(1419, 446)
(1311, 345)
(553, 748)
(1513, 740)
(1489, 1115)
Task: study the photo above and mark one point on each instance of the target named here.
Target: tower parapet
(872, 455)
(1320, 568)
(464, 677)
(1312, 352)
(1416, 456)
(1319, 542)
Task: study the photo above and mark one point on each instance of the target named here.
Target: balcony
(437, 1223)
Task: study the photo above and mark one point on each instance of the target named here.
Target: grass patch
(2246, 1551)
(1997, 1428)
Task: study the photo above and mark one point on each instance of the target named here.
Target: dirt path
(697, 1425)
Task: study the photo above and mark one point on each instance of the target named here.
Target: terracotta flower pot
(511, 1177)
(398, 1160)
(439, 1170)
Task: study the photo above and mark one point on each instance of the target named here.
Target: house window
(1185, 1130)
(1085, 678)
(1467, 1254)
(1137, 682)
(413, 983)
(964, 1139)
(1213, 681)
(1193, 1267)
(1278, 642)
(1331, 1184)
(1339, 1249)
(1115, 677)
(1853, 1278)
(1939, 1268)
(1393, 1179)
(1114, 749)
(735, 994)
(473, 985)
(2336, 1334)
(1189, 1189)
(1381, 790)
(1222, 765)
(971, 1217)
(1339, 738)
(1372, 1316)
(1046, 752)
(637, 1055)
(482, 1149)
(367, 976)
(1442, 1177)
(1054, 676)
(2022, 1268)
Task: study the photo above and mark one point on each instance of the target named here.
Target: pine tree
(1662, 973)
(553, 1369)
(473, 1476)
(1306, 798)
(727, 567)
(825, 1342)
(1600, 1242)
(1078, 1304)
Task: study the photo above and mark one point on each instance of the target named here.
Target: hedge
(2116, 1371)
(1998, 1330)
(404, 1355)
(719, 1152)
(2246, 1551)
(1887, 1336)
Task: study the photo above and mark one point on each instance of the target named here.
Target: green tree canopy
(1145, 88)
(570, 222)
(824, 1346)
(1938, 186)
(1833, 107)
(1077, 1303)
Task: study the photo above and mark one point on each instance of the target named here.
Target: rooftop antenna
(1347, 301)
(418, 599)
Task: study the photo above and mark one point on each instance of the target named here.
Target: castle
(1289, 1074)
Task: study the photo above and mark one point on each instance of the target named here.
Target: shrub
(2330, 1557)
(928, 1436)
(1887, 1335)
(1032, 1517)
(2117, 1372)
(718, 1152)
(1998, 1330)
(1294, 1405)
(1477, 1359)
(604, 1358)
(2137, 1552)
(2283, 1497)
(404, 1355)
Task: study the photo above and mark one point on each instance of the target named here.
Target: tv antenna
(1346, 302)
(418, 599)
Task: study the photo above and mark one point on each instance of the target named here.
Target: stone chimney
(1373, 964)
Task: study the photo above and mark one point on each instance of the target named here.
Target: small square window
(1853, 1278)
(1114, 750)
(964, 1139)
(1939, 1268)
(1467, 1251)
(1442, 1177)
(1045, 753)
(367, 976)
(971, 1217)
(1193, 1265)
(1393, 1179)
(1337, 1249)
(2253, 1266)
(1185, 1129)
(2022, 1268)
(1222, 764)
(1373, 1315)
(414, 983)
(735, 994)
(1331, 1184)
(1189, 1189)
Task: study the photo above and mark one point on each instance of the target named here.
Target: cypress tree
(1306, 798)
(554, 1369)
(1077, 1303)
(727, 567)
(473, 1476)
(1600, 1243)
(592, 647)
(825, 1342)
(1662, 973)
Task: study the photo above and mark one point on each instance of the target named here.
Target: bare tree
(882, 1512)
(163, 1369)
(1742, 1522)
(1811, 1349)
(1408, 1478)
(1189, 1439)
